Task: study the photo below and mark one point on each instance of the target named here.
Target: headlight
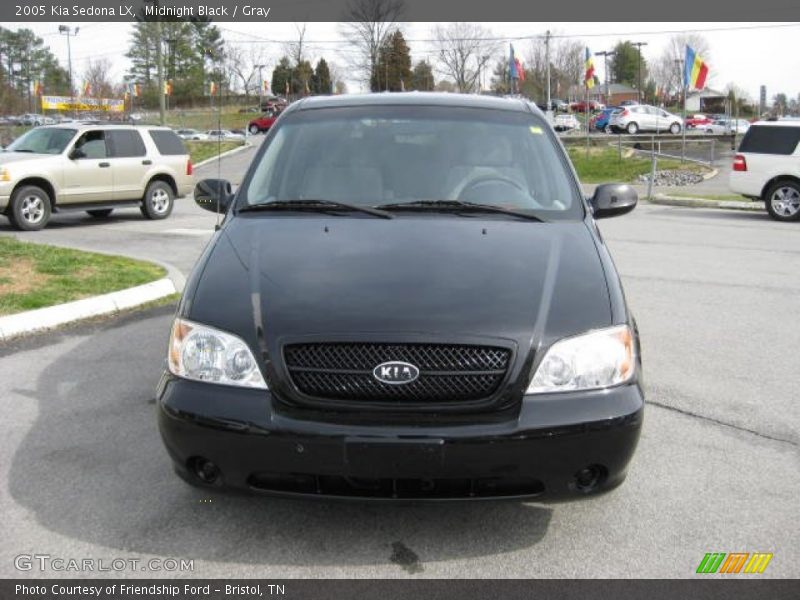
(597, 359)
(206, 354)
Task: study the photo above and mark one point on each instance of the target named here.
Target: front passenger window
(92, 144)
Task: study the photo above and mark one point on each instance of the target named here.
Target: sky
(749, 54)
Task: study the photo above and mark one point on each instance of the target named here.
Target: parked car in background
(191, 134)
(697, 121)
(556, 105)
(335, 339)
(727, 127)
(643, 117)
(273, 103)
(584, 106)
(223, 134)
(566, 123)
(767, 167)
(600, 122)
(263, 123)
(92, 168)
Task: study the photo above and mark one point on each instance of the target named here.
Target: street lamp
(639, 77)
(260, 85)
(605, 56)
(70, 33)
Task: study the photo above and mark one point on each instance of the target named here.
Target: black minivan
(408, 297)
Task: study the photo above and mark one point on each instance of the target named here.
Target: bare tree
(367, 24)
(464, 50)
(294, 50)
(243, 66)
(97, 75)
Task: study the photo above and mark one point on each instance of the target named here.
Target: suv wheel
(100, 213)
(783, 201)
(254, 129)
(675, 129)
(158, 200)
(30, 208)
(632, 128)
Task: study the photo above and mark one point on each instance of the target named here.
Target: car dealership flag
(513, 71)
(87, 88)
(695, 70)
(589, 76)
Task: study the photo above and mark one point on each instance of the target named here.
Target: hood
(11, 157)
(425, 277)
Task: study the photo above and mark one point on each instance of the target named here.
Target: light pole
(605, 56)
(639, 76)
(70, 33)
(260, 85)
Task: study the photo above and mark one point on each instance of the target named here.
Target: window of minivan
(377, 155)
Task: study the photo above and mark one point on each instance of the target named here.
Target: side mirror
(214, 195)
(612, 200)
(77, 153)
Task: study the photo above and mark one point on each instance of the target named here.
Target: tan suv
(95, 168)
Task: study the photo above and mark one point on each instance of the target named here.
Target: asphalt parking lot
(84, 473)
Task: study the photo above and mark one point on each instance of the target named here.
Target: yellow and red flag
(695, 70)
(588, 76)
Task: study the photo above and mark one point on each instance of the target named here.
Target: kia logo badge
(395, 373)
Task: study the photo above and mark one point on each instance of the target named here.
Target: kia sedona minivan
(408, 298)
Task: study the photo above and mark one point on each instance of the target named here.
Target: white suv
(767, 167)
(95, 168)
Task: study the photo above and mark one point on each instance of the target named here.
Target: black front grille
(447, 373)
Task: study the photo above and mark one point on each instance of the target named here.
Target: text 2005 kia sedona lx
(408, 298)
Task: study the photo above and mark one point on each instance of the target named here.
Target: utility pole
(639, 76)
(547, 60)
(69, 32)
(260, 85)
(605, 56)
(160, 76)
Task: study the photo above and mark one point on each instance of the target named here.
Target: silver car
(643, 117)
(728, 126)
(95, 168)
(191, 134)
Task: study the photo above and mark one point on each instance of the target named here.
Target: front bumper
(538, 453)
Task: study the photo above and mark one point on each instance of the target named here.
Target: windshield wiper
(321, 205)
(459, 206)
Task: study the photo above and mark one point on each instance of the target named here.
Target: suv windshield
(379, 155)
(47, 140)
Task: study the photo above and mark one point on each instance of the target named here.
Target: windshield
(47, 140)
(377, 155)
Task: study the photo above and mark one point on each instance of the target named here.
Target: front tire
(254, 129)
(675, 129)
(30, 208)
(158, 200)
(632, 128)
(100, 213)
(783, 201)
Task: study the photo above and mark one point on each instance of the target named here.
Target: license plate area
(367, 457)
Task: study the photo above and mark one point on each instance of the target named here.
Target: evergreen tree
(321, 81)
(422, 77)
(393, 69)
(624, 65)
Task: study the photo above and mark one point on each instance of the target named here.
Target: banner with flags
(589, 74)
(695, 70)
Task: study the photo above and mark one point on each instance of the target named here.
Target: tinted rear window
(167, 142)
(125, 143)
(761, 139)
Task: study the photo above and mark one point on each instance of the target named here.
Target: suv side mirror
(612, 200)
(77, 153)
(214, 195)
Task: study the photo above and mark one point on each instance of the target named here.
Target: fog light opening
(589, 478)
(205, 470)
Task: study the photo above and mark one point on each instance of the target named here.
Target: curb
(699, 203)
(61, 314)
(208, 161)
